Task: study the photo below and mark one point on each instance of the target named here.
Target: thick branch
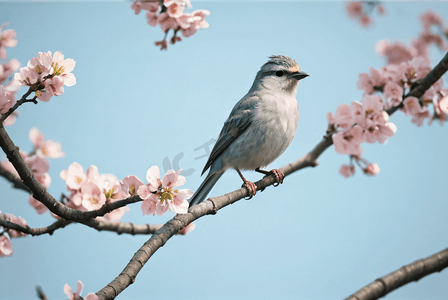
(412, 272)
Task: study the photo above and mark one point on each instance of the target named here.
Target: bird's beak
(299, 75)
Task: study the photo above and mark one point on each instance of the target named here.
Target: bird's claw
(279, 176)
(251, 189)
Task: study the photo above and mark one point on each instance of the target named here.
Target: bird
(259, 128)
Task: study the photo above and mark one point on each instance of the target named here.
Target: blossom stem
(18, 103)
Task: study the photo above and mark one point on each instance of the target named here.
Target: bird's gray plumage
(260, 126)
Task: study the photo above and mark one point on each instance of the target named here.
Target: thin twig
(18, 103)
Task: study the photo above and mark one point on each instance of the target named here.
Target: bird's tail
(205, 188)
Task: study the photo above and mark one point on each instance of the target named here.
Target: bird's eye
(279, 73)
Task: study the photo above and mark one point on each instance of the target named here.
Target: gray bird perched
(260, 127)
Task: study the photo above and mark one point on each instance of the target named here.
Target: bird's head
(279, 74)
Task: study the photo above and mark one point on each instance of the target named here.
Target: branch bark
(406, 274)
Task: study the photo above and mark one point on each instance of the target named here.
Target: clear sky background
(317, 236)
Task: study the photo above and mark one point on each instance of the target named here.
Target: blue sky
(317, 236)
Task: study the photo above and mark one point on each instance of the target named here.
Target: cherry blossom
(170, 15)
(49, 148)
(46, 75)
(5, 246)
(443, 105)
(372, 169)
(347, 170)
(160, 195)
(7, 39)
(8, 69)
(190, 227)
(68, 290)
(362, 11)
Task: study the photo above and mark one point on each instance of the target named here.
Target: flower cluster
(79, 287)
(170, 15)
(91, 190)
(396, 80)
(366, 121)
(7, 91)
(359, 122)
(362, 11)
(160, 195)
(433, 33)
(6, 248)
(7, 39)
(47, 74)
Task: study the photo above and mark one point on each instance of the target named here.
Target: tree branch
(18, 103)
(406, 274)
(16, 182)
(212, 205)
(100, 225)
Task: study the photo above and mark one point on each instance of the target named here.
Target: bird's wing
(239, 120)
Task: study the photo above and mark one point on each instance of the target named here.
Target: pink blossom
(8, 69)
(5, 246)
(372, 169)
(347, 170)
(411, 106)
(68, 290)
(92, 197)
(74, 177)
(381, 10)
(190, 227)
(368, 83)
(420, 116)
(365, 21)
(160, 195)
(174, 8)
(63, 68)
(348, 142)
(354, 9)
(395, 53)
(429, 18)
(417, 68)
(393, 92)
(7, 39)
(37, 164)
(37, 205)
(153, 18)
(343, 116)
(166, 22)
(36, 137)
(43, 179)
(190, 23)
(138, 6)
(41, 64)
(443, 105)
(91, 296)
(5, 102)
(130, 185)
(27, 76)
